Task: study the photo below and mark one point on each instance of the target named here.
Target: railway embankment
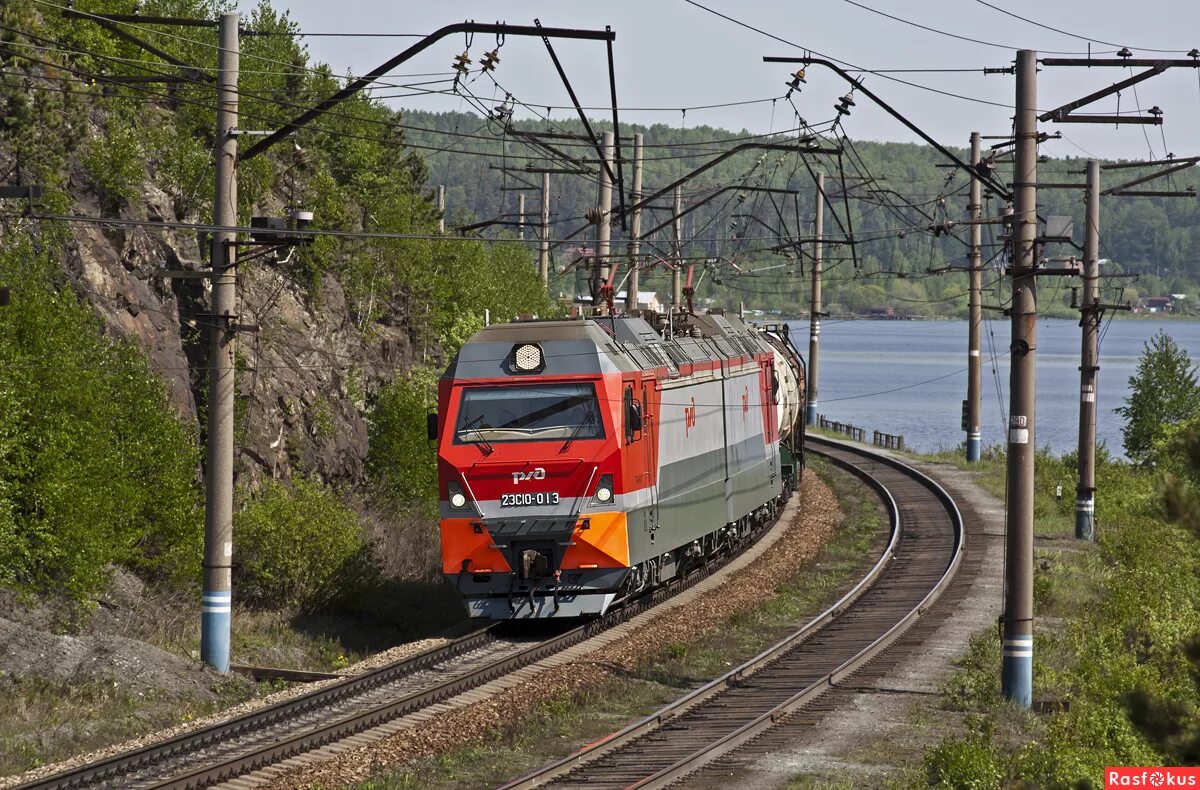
(518, 722)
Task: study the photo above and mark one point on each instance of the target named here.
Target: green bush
(298, 547)
(95, 466)
(970, 763)
(114, 162)
(402, 462)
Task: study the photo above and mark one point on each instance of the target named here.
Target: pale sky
(670, 54)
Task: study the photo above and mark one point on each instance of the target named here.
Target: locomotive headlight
(604, 491)
(458, 500)
(528, 358)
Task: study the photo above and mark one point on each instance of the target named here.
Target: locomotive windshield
(532, 412)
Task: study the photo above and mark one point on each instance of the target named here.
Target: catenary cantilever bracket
(990, 183)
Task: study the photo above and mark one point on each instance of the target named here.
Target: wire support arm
(417, 48)
(992, 184)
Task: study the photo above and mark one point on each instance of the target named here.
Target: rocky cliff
(307, 365)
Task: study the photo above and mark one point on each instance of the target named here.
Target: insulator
(1124, 52)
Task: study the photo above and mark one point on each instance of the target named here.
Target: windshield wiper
(484, 445)
(575, 433)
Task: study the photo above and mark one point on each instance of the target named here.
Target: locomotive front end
(533, 524)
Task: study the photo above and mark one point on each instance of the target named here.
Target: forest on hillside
(894, 190)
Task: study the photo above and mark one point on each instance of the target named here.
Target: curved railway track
(343, 710)
(720, 718)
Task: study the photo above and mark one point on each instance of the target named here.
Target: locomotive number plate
(526, 500)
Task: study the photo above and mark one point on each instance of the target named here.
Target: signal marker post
(1089, 362)
(1016, 672)
(603, 265)
(217, 593)
(814, 318)
(544, 245)
(975, 311)
(635, 228)
(677, 253)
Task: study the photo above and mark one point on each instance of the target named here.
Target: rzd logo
(537, 474)
(689, 417)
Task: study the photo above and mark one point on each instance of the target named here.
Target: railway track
(721, 718)
(341, 711)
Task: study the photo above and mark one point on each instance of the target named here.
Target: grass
(566, 723)
(44, 721)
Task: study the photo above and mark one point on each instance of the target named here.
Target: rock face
(306, 367)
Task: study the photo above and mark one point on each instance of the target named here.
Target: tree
(1164, 393)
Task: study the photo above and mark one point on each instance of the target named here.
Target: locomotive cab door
(639, 430)
(770, 395)
(649, 448)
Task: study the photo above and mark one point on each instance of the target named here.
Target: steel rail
(113, 768)
(693, 700)
(108, 768)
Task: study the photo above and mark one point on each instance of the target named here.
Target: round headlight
(458, 500)
(603, 494)
(527, 358)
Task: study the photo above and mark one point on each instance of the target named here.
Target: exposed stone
(304, 377)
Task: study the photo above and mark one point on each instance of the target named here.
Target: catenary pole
(441, 208)
(521, 216)
(603, 265)
(1016, 674)
(217, 593)
(1089, 362)
(635, 228)
(814, 319)
(544, 247)
(677, 249)
(974, 310)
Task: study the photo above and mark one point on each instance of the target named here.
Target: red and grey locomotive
(583, 461)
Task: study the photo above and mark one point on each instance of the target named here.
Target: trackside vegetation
(1117, 640)
(95, 467)
(97, 470)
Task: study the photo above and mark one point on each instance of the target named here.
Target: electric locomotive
(583, 461)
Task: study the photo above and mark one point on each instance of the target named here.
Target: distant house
(1160, 304)
(647, 300)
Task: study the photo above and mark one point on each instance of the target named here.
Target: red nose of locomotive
(532, 523)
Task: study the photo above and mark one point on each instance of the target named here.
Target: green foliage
(402, 463)
(970, 763)
(115, 166)
(1126, 656)
(1163, 392)
(95, 467)
(298, 546)
(1179, 458)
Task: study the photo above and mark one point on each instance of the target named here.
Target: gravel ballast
(802, 539)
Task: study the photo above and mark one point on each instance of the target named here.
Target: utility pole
(217, 594)
(544, 247)
(603, 265)
(814, 317)
(1016, 674)
(635, 228)
(1089, 361)
(441, 208)
(521, 216)
(974, 310)
(677, 248)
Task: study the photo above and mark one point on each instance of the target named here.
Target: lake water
(910, 377)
